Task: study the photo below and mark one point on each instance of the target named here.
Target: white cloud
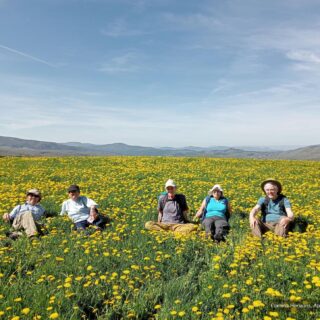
(304, 56)
(125, 63)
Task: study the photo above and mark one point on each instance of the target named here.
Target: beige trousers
(184, 228)
(262, 227)
(25, 221)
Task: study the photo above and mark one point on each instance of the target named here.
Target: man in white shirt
(25, 216)
(81, 210)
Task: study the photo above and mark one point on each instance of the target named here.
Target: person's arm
(185, 208)
(41, 212)
(290, 217)
(290, 213)
(201, 209)
(229, 208)
(160, 210)
(91, 204)
(252, 217)
(6, 217)
(14, 213)
(63, 208)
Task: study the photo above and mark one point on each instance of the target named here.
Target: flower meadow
(127, 272)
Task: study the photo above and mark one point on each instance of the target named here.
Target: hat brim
(273, 181)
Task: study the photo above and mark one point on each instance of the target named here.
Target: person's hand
(93, 215)
(195, 219)
(285, 221)
(253, 222)
(6, 217)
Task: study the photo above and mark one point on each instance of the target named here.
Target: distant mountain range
(20, 147)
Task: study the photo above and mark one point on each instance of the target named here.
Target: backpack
(208, 198)
(163, 199)
(264, 206)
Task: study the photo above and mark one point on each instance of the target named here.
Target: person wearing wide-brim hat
(215, 212)
(172, 212)
(277, 215)
(25, 217)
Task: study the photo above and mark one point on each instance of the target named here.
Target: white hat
(170, 183)
(216, 187)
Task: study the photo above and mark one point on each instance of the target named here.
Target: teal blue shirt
(274, 211)
(217, 208)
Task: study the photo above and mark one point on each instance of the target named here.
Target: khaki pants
(184, 228)
(25, 221)
(262, 227)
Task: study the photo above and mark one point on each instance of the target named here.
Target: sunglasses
(33, 195)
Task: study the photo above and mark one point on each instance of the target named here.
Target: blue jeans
(100, 222)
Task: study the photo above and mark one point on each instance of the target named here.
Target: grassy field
(127, 272)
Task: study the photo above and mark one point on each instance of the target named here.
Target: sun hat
(272, 181)
(170, 183)
(73, 188)
(35, 192)
(216, 187)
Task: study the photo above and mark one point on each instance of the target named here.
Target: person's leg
(221, 229)
(100, 222)
(81, 225)
(259, 229)
(184, 228)
(283, 228)
(209, 227)
(26, 222)
(157, 226)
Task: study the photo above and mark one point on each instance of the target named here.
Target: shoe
(14, 235)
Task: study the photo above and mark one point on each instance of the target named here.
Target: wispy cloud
(125, 63)
(28, 56)
(304, 56)
(119, 28)
(191, 21)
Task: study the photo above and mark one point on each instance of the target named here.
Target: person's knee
(149, 224)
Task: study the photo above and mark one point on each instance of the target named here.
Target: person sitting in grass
(172, 212)
(277, 214)
(215, 212)
(81, 210)
(25, 217)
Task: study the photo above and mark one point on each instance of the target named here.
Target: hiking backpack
(226, 201)
(264, 206)
(163, 199)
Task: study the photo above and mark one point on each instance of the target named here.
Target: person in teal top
(277, 215)
(215, 212)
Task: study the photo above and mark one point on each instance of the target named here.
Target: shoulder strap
(163, 200)
(281, 203)
(178, 198)
(207, 199)
(227, 208)
(83, 202)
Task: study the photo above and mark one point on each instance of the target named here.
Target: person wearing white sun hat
(172, 212)
(277, 215)
(215, 212)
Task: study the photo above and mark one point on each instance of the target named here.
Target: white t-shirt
(78, 210)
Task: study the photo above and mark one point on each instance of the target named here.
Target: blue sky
(161, 72)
